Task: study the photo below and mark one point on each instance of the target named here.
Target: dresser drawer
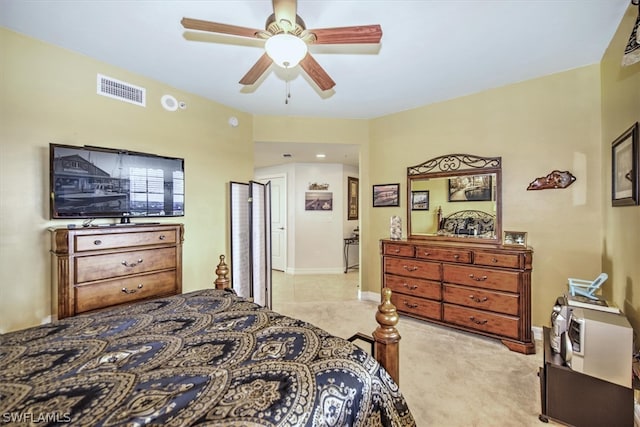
(493, 323)
(497, 259)
(399, 250)
(481, 277)
(413, 268)
(418, 306)
(92, 242)
(442, 254)
(414, 287)
(129, 289)
(478, 298)
(97, 267)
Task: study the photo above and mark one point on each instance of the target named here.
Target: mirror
(455, 197)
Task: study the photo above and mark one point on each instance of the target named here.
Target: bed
(206, 357)
(468, 223)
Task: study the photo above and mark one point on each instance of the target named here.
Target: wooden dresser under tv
(478, 288)
(98, 267)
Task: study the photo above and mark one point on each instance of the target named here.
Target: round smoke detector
(169, 103)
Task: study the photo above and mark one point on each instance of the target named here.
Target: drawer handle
(427, 253)
(133, 264)
(412, 268)
(456, 256)
(131, 291)
(494, 260)
(476, 299)
(162, 237)
(410, 305)
(410, 287)
(477, 322)
(478, 279)
(396, 250)
(97, 242)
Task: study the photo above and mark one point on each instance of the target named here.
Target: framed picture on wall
(420, 200)
(318, 201)
(352, 198)
(386, 195)
(470, 188)
(625, 168)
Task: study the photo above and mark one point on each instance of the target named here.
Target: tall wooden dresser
(98, 267)
(479, 288)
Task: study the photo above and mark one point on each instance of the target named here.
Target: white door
(278, 219)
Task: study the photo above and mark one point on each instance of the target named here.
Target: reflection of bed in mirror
(468, 223)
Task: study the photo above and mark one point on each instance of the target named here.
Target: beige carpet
(449, 378)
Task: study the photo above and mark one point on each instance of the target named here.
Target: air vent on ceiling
(123, 91)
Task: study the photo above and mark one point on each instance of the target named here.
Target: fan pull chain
(287, 86)
(287, 92)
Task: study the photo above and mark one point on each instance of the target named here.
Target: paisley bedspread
(202, 358)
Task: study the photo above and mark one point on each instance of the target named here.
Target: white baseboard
(369, 296)
(333, 270)
(537, 332)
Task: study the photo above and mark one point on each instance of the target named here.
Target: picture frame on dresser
(625, 169)
(386, 195)
(516, 239)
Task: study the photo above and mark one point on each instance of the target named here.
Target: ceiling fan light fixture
(285, 50)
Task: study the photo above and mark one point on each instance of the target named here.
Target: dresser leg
(521, 347)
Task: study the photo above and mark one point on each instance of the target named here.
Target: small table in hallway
(348, 241)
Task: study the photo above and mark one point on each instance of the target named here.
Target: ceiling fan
(285, 32)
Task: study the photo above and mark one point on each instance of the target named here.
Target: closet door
(241, 239)
(251, 241)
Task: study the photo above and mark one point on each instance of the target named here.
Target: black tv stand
(577, 399)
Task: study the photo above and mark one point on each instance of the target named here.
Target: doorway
(278, 219)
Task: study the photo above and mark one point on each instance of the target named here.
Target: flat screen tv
(93, 182)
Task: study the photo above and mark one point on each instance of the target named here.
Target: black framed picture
(470, 188)
(420, 200)
(625, 172)
(386, 195)
(318, 201)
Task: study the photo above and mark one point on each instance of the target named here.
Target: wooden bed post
(222, 271)
(386, 336)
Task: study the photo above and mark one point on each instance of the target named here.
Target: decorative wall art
(318, 187)
(470, 188)
(352, 198)
(420, 200)
(555, 179)
(318, 201)
(386, 195)
(514, 238)
(625, 171)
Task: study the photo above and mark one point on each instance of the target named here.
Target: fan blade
(348, 35)
(214, 27)
(317, 73)
(257, 70)
(285, 11)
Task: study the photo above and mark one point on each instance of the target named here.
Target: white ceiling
(431, 50)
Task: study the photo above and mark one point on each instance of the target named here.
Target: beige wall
(49, 95)
(535, 126)
(565, 121)
(621, 238)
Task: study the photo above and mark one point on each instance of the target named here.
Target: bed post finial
(386, 336)
(222, 271)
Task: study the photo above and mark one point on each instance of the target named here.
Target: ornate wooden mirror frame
(455, 197)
